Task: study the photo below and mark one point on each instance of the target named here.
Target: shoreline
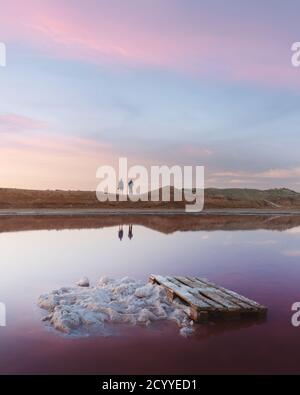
(144, 212)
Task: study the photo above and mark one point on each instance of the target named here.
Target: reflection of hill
(163, 224)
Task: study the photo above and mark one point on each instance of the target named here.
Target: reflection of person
(130, 233)
(121, 186)
(121, 232)
(130, 186)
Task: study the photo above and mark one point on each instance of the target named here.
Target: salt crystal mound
(81, 311)
(83, 282)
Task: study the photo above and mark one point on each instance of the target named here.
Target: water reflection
(130, 232)
(221, 327)
(255, 257)
(121, 232)
(165, 224)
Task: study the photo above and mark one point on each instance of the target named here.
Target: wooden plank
(221, 291)
(182, 293)
(230, 298)
(196, 313)
(213, 294)
(248, 301)
(213, 304)
(207, 293)
(206, 299)
(227, 291)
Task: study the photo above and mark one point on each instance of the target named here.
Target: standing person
(130, 186)
(121, 186)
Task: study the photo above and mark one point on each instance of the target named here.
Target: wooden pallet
(207, 300)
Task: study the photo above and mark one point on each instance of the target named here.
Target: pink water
(263, 265)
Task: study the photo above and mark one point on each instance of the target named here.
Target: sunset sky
(203, 82)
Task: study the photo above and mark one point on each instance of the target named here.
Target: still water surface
(262, 264)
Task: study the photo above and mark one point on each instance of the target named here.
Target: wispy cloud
(194, 41)
(234, 176)
(51, 160)
(280, 173)
(182, 82)
(196, 150)
(15, 123)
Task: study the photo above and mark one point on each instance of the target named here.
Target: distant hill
(252, 198)
(214, 199)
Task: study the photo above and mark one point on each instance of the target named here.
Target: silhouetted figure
(121, 186)
(121, 232)
(130, 186)
(130, 233)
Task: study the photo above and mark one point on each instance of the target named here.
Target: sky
(175, 82)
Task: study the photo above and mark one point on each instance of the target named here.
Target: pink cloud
(267, 174)
(47, 159)
(141, 35)
(52, 161)
(18, 123)
(280, 173)
(195, 150)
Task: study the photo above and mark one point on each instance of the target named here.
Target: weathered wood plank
(211, 293)
(213, 304)
(182, 293)
(220, 292)
(206, 299)
(248, 301)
